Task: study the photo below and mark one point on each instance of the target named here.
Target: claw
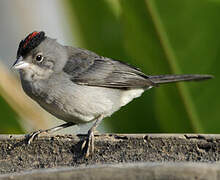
(88, 144)
(83, 145)
(92, 141)
(31, 137)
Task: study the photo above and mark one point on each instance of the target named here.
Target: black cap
(30, 42)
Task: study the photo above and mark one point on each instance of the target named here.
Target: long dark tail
(161, 79)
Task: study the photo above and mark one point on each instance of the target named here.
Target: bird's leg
(31, 137)
(88, 144)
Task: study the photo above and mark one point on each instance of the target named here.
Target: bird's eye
(39, 58)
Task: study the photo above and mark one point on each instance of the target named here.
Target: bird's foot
(32, 136)
(88, 144)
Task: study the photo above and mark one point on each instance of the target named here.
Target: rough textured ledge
(57, 151)
(128, 171)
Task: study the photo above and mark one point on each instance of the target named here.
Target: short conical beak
(20, 64)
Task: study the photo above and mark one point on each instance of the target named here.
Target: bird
(79, 86)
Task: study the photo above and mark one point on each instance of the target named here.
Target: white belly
(129, 95)
(78, 104)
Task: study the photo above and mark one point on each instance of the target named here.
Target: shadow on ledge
(65, 150)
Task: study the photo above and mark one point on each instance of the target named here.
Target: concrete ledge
(128, 171)
(61, 151)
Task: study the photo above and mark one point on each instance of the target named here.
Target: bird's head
(39, 56)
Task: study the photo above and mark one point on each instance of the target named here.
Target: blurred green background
(159, 37)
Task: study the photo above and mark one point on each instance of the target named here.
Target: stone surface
(65, 150)
(128, 171)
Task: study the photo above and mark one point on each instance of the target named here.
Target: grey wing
(105, 72)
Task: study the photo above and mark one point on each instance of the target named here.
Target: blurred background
(159, 37)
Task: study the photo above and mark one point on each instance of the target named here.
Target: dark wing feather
(104, 72)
